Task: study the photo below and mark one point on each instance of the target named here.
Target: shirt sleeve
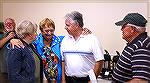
(1, 36)
(14, 61)
(97, 49)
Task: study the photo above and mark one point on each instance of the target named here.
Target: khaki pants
(3, 77)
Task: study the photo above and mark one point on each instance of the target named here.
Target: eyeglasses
(8, 24)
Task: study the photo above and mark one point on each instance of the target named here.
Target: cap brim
(120, 23)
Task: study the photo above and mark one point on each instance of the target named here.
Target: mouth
(48, 35)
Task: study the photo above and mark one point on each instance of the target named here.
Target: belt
(79, 78)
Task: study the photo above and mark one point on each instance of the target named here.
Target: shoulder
(14, 53)
(146, 42)
(15, 50)
(143, 43)
(60, 38)
(91, 37)
(39, 37)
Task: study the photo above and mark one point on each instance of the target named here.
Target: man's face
(127, 32)
(48, 33)
(9, 25)
(70, 26)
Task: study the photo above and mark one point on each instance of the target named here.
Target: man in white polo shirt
(82, 55)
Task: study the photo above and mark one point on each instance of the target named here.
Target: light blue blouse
(55, 46)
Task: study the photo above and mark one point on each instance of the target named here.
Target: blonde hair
(26, 27)
(46, 23)
(5, 21)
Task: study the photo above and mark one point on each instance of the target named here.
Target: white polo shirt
(80, 55)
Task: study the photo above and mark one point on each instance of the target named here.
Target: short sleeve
(97, 49)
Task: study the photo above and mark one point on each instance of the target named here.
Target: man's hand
(10, 35)
(86, 31)
(16, 42)
(98, 67)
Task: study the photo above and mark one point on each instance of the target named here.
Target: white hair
(25, 27)
(138, 28)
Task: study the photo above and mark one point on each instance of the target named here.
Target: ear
(77, 25)
(132, 30)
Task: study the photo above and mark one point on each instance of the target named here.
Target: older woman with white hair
(21, 61)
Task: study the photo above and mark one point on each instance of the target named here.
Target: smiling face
(9, 25)
(47, 28)
(48, 33)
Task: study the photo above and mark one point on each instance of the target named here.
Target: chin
(49, 37)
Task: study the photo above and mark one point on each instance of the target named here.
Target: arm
(98, 55)
(137, 80)
(63, 72)
(98, 67)
(5, 39)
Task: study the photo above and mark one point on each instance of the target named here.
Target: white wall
(98, 17)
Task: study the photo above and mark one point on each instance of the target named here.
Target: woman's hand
(16, 42)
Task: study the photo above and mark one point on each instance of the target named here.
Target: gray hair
(138, 28)
(76, 17)
(24, 28)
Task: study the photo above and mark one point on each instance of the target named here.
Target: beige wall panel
(98, 17)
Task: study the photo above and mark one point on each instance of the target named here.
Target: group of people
(28, 57)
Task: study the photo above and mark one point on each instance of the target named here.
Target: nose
(50, 33)
(122, 28)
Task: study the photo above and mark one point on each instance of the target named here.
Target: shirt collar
(81, 36)
(140, 36)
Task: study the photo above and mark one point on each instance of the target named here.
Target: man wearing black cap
(133, 65)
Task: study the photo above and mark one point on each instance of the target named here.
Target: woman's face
(9, 25)
(48, 33)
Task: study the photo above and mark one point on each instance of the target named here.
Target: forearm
(137, 80)
(3, 41)
(98, 67)
(63, 72)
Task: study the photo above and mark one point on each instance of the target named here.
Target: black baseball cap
(133, 18)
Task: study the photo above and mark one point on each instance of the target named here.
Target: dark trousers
(77, 79)
(3, 77)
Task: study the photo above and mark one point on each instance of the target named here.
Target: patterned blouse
(50, 61)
